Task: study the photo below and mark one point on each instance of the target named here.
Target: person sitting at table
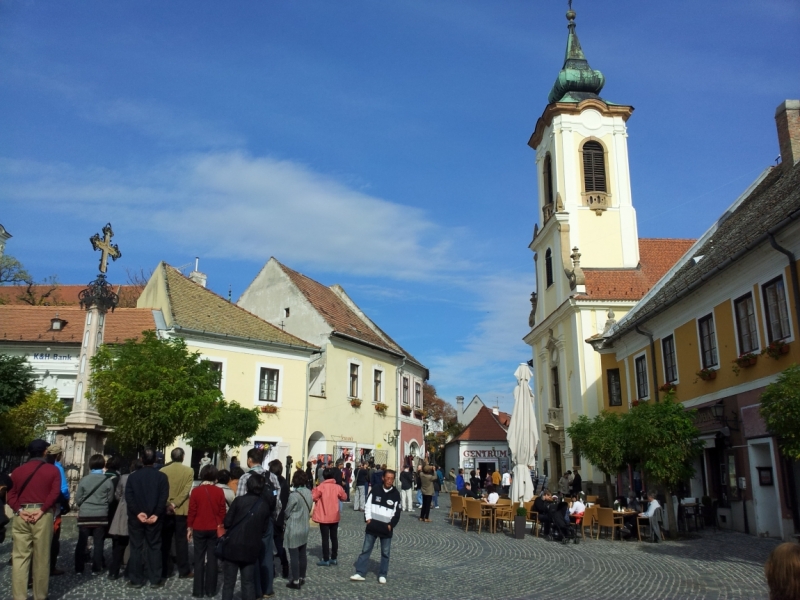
(493, 496)
(560, 519)
(467, 492)
(578, 506)
(652, 506)
(541, 505)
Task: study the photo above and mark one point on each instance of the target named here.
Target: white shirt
(577, 507)
(506, 478)
(651, 508)
(493, 498)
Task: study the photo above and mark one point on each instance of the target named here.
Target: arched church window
(594, 167)
(548, 267)
(548, 180)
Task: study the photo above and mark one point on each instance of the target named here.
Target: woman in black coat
(246, 523)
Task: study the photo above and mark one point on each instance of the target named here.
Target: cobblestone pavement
(437, 560)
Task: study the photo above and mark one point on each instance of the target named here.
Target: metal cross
(105, 246)
(569, 2)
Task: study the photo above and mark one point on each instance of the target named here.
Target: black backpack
(270, 493)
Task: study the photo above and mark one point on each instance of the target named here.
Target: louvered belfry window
(548, 179)
(594, 167)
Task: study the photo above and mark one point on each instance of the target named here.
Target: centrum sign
(485, 453)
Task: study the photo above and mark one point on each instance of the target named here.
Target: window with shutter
(594, 167)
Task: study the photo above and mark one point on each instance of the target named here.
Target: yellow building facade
(718, 328)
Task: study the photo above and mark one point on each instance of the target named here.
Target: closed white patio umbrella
(523, 437)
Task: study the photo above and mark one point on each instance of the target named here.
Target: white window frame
(664, 361)
(360, 383)
(764, 319)
(405, 391)
(223, 373)
(649, 380)
(382, 371)
(279, 395)
(703, 315)
(417, 391)
(608, 386)
(734, 298)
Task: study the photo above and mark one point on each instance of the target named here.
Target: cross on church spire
(105, 246)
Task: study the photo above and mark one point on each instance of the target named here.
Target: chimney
(196, 275)
(787, 118)
(496, 411)
(460, 408)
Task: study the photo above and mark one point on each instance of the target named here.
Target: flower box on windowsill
(745, 361)
(707, 374)
(419, 414)
(776, 349)
(668, 387)
(355, 402)
(269, 409)
(381, 407)
(406, 410)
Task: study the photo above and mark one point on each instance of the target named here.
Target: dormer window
(594, 167)
(57, 324)
(286, 313)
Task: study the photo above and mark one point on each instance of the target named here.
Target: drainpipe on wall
(397, 379)
(649, 336)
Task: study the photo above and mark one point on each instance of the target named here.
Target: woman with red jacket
(207, 509)
(326, 498)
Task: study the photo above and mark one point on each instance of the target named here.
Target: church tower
(587, 219)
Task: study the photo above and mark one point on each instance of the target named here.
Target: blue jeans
(362, 562)
(435, 499)
(265, 567)
(419, 497)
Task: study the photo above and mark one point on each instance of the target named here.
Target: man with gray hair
(180, 479)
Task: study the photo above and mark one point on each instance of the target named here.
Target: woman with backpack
(94, 495)
(245, 524)
(207, 508)
(295, 537)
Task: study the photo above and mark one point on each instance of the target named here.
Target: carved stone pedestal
(79, 441)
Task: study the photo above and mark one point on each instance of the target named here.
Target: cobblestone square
(439, 560)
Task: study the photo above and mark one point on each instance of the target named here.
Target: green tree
(228, 426)
(11, 271)
(780, 409)
(152, 390)
(603, 441)
(28, 421)
(17, 381)
(664, 438)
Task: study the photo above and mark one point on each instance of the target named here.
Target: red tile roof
(45, 295)
(340, 316)
(485, 427)
(32, 324)
(656, 257)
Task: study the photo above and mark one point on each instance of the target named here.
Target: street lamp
(391, 438)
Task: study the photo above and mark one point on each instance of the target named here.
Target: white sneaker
(357, 577)
(381, 579)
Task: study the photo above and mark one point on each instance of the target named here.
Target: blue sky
(379, 145)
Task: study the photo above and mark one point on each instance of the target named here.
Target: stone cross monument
(83, 433)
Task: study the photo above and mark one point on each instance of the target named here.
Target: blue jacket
(64, 484)
(459, 482)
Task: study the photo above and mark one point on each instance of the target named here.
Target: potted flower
(707, 374)
(381, 407)
(668, 387)
(355, 402)
(270, 409)
(744, 361)
(419, 414)
(635, 402)
(776, 349)
(406, 410)
(519, 523)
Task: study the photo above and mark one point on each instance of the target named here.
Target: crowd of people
(237, 520)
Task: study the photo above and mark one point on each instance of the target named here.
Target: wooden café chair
(456, 508)
(506, 514)
(653, 525)
(606, 519)
(589, 520)
(474, 512)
